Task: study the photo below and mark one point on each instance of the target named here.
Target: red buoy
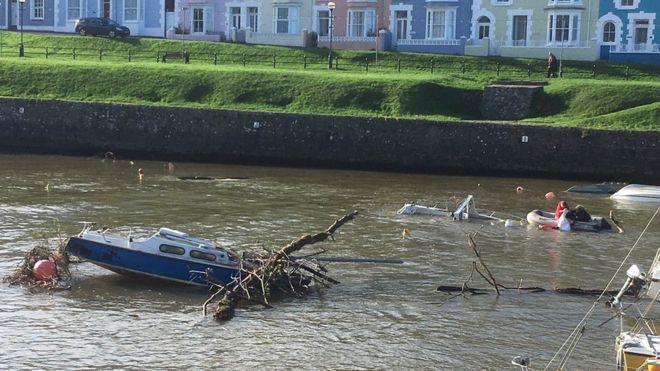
(44, 270)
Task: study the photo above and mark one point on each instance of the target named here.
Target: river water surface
(379, 317)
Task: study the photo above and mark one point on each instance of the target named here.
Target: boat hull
(125, 260)
(637, 352)
(638, 193)
(547, 219)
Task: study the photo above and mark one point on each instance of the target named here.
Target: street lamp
(331, 7)
(21, 51)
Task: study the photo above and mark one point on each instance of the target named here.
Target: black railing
(371, 63)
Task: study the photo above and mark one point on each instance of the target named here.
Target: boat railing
(175, 235)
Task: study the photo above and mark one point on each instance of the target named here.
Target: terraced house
(532, 28)
(627, 30)
(430, 26)
(143, 17)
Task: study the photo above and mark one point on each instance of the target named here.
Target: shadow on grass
(433, 99)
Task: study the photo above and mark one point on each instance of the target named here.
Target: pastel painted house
(354, 24)
(272, 22)
(197, 20)
(627, 30)
(532, 28)
(143, 17)
(430, 26)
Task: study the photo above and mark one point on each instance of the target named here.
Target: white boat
(467, 209)
(547, 219)
(638, 192)
(638, 348)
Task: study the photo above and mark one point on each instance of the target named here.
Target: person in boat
(561, 206)
(565, 220)
(581, 214)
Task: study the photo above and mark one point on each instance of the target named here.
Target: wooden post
(129, 55)
(432, 65)
(74, 54)
(305, 62)
(498, 68)
(46, 52)
(398, 65)
(529, 70)
(100, 54)
(215, 59)
(274, 60)
(593, 72)
(627, 72)
(366, 64)
(244, 60)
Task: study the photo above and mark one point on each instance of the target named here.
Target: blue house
(627, 30)
(430, 26)
(143, 17)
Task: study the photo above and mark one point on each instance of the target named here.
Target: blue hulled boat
(168, 254)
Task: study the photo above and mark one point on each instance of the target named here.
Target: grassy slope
(612, 104)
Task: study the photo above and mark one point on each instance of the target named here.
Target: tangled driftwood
(263, 274)
(482, 269)
(23, 275)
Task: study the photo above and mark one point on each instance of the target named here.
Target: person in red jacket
(560, 207)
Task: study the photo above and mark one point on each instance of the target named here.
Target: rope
(576, 334)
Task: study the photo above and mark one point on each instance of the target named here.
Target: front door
(106, 11)
(13, 14)
(401, 24)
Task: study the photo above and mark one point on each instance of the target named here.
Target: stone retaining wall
(175, 134)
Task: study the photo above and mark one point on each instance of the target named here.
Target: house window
(626, 4)
(130, 10)
(563, 28)
(361, 23)
(519, 34)
(401, 24)
(609, 32)
(484, 27)
(198, 20)
(235, 13)
(440, 24)
(73, 9)
(253, 18)
(37, 9)
(286, 20)
(323, 27)
(641, 33)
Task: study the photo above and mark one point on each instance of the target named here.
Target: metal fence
(365, 63)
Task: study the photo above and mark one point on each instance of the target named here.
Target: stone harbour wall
(408, 145)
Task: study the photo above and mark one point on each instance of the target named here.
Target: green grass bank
(245, 77)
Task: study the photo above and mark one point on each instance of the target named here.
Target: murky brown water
(379, 317)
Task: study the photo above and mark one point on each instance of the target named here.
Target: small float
(638, 192)
(547, 219)
(167, 255)
(467, 209)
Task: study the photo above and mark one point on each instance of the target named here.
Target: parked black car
(101, 26)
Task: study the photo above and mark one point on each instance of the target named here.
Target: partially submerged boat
(168, 254)
(600, 188)
(467, 209)
(547, 219)
(638, 192)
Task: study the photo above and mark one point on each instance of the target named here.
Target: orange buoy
(44, 270)
(550, 195)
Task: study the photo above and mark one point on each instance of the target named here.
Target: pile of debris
(43, 268)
